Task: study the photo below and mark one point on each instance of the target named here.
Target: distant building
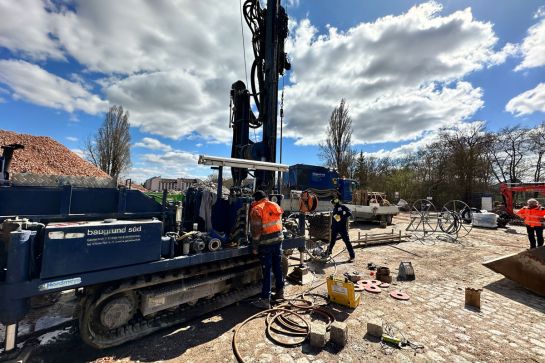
(157, 184)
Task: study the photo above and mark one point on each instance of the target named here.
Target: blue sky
(404, 68)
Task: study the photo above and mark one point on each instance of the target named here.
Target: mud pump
(129, 260)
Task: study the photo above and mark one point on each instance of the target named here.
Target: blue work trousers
(335, 231)
(534, 232)
(271, 259)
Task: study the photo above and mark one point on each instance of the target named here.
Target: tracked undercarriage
(114, 314)
(139, 264)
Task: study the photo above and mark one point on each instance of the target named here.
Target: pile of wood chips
(45, 156)
(137, 186)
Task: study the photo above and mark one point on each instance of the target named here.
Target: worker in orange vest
(267, 237)
(533, 219)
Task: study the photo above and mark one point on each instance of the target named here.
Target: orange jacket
(265, 219)
(533, 217)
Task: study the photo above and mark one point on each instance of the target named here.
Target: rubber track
(141, 327)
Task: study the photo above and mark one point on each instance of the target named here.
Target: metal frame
(241, 163)
(32, 288)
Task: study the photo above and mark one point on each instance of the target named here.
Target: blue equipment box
(75, 247)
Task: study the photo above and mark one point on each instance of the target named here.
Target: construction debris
(353, 276)
(45, 156)
(339, 333)
(473, 297)
(383, 274)
(374, 328)
(318, 335)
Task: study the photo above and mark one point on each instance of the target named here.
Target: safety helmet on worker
(533, 215)
(532, 203)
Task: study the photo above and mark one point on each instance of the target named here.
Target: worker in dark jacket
(339, 225)
(267, 237)
(533, 215)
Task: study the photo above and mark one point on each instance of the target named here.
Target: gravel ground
(508, 328)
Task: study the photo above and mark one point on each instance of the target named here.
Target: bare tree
(468, 165)
(337, 150)
(109, 150)
(213, 178)
(537, 146)
(507, 154)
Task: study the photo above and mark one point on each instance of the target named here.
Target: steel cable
(264, 314)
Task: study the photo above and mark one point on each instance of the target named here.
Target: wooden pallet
(374, 239)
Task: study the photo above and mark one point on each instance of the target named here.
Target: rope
(297, 306)
(267, 313)
(280, 316)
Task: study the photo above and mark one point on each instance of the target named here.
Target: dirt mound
(137, 186)
(45, 156)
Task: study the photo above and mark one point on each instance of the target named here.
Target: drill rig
(129, 259)
(269, 29)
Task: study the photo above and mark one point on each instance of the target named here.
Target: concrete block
(374, 328)
(339, 333)
(317, 335)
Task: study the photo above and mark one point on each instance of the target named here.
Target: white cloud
(153, 144)
(78, 152)
(293, 3)
(404, 150)
(171, 64)
(134, 36)
(174, 104)
(73, 117)
(429, 138)
(34, 84)
(540, 12)
(26, 27)
(171, 164)
(528, 102)
(72, 138)
(533, 47)
(400, 75)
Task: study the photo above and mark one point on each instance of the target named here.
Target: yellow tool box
(341, 291)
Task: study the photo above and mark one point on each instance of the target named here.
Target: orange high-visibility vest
(270, 215)
(532, 216)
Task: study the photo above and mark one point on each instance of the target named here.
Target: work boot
(326, 254)
(279, 295)
(261, 303)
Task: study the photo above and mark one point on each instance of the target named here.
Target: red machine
(507, 190)
(527, 267)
